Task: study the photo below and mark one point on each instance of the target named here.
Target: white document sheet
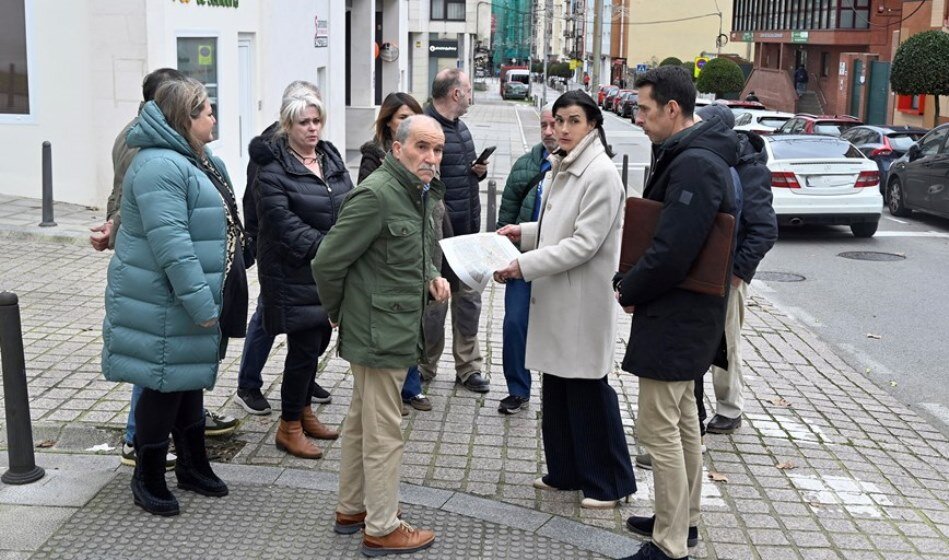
(475, 257)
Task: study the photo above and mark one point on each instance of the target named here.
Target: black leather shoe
(723, 425)
(477, 383)
(644, 526)
(649, 551)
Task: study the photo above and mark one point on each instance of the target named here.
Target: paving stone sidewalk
(826, 465)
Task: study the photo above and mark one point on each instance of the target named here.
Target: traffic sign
(700, 62)
(640, 68)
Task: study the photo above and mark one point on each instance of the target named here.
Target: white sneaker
(128, 457)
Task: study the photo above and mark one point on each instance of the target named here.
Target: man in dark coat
(451, 96)
(757, 230)
(675, 332)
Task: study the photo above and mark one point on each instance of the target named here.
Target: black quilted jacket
(295, 209)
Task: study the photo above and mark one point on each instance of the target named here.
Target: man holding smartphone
(461, 173)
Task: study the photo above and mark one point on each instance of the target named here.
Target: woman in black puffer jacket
(301, 184)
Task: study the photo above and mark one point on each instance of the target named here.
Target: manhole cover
(871, 256)
(768, 276)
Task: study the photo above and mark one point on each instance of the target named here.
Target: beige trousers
(372, 449)
(728, 382)
(668, 426)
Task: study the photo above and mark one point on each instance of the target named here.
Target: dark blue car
(883, 144)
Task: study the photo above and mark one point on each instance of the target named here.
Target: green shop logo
(218, 3)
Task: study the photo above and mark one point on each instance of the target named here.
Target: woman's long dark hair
(592, 112)
(390, 106)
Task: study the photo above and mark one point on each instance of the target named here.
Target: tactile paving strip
(269, 523)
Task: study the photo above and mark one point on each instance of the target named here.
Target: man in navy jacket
(451, 96)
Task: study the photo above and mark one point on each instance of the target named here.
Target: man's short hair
(154, 80)
(548, 108)
(405, 127)
(670, 83)
(445, 81)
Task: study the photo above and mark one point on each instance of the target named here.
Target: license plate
(827, 181)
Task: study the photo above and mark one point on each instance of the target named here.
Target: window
(853, 14)
(197, 58)
(930, 144)
(14, 71)
(451, 10)
(912, 104)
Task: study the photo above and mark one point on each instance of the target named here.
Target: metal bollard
(492, 205)
(626, 173)
(47, 186)
(23, 469)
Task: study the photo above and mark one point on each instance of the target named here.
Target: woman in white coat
(571, 254)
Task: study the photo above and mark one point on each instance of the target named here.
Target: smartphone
(485, 155)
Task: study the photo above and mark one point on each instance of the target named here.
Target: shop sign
(748, 36)
(213, 3)
(321, 37)
(443, 48)
(799, 36)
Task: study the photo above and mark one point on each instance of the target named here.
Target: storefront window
(197, 58)
(14, 73)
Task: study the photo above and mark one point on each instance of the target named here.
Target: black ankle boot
(193, 469)
(148, 482)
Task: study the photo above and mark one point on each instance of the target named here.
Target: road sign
(700, 62)
(640, 68)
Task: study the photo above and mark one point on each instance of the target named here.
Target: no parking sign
(700, 62)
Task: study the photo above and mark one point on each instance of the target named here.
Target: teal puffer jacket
(167, 274)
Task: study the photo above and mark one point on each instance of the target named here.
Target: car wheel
(894, 199)
(864, 229)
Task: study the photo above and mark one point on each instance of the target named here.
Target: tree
(720, 76)
(670, 61)
(921, 67)
(690, 68)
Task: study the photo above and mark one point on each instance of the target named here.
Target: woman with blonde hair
(176, 289)
(301, 184)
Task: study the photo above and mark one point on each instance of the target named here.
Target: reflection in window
(197, 58)
(14, 79)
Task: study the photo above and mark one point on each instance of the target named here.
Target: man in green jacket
(520, 202)
(374, 273)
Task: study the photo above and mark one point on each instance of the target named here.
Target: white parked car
(759, 121)
(823, 180)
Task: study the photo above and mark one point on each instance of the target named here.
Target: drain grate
(770, 276)
(872, 256)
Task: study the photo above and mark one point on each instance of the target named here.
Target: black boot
(193, 469)
(148, 482)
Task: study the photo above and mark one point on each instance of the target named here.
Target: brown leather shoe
(290, 439)
(403, 540)
(314, 428)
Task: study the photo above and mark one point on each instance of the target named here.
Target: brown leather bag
(712, 269)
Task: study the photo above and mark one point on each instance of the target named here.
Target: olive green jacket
(373, 268)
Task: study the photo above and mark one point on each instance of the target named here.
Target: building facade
(684, 29)
(444, 34)
(844, 45)
(74, 72)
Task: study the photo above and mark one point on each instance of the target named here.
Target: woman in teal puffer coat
(165, 309)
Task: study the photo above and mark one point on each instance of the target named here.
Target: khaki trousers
(668, 426)
(372, 449)
(465, 307)
(728, 382)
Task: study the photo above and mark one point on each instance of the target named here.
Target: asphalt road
(886, 317)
